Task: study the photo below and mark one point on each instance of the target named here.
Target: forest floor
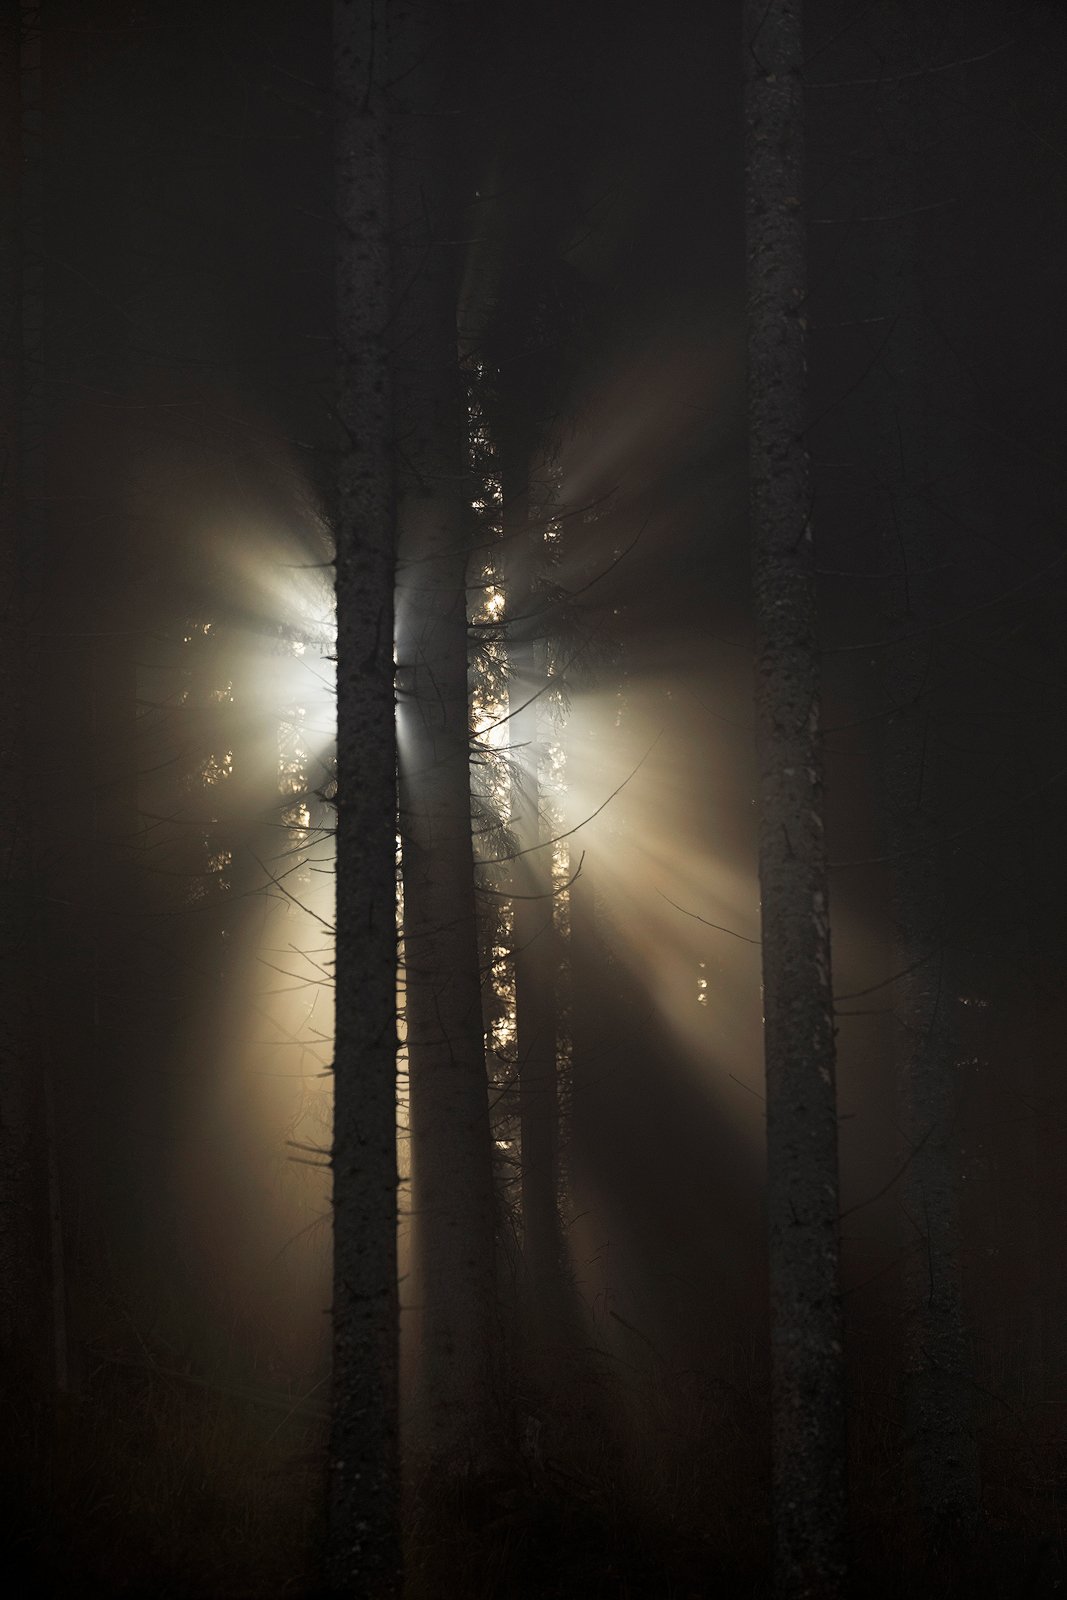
(154, 1482)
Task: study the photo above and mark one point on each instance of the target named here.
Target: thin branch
(716, 925)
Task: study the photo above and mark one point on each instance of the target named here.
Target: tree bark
(533, 933)
(808, 1444)
(25, 1251)
(938, 1379)
(363, 1555)
(451, 1167)
(17, 1153)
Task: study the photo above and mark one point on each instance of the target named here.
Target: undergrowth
(158, 1483)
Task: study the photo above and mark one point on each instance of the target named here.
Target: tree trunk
(533, 933)
(451, 1168)
(938, 1378)
(363, 1554)
(808, 1445)
(33, 1296)
(23, 1158)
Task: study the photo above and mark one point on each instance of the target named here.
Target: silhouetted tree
(533, 933)
(23, 1241)
(915, 126)
(529, 351)
(451, 1167)
(518, 429)
(806, 1348)
(363, 1504)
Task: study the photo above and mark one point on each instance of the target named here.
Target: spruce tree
(808, 1454)
(363, 1555)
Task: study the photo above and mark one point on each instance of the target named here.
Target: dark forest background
(167, 811)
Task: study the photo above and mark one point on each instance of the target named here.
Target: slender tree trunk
(533, 933)
(22, 1114)
(938, 1377)
(363, 1555)
(451, 1165)
(808, 1445)
(937, 1373)
(33, 1297)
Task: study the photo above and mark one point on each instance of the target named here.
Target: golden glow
(648, 847)
(252, 1163)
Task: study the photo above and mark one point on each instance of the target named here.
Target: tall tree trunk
(937, 1373)
(808, 1445)
(363, 1555)
(23, 1120)
(451, 1166)
(914, 454)
(533, 933)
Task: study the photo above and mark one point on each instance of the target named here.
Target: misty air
(532, 629)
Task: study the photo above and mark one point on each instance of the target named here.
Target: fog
(176, 798)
